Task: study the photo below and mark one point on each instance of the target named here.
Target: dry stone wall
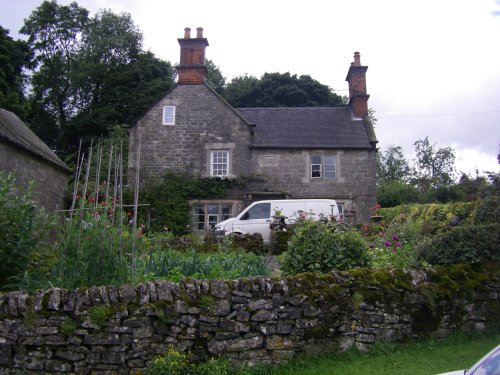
(118, 329)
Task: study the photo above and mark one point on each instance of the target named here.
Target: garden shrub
(474, 244)
(395, 193)
(174, 362)
(249, 242)
(315, 247)
(434, 214)
(392, 245)
(279, 240)
(488, 210)
(22, 232)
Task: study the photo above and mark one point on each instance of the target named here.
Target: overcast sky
(434, 65)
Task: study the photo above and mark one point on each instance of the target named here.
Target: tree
(280, 90)
(54, 38)
(90, 74)
(215, 78)
(14, 56)
(435, 166)
(115, 79)
(392, 165)
(241, 91)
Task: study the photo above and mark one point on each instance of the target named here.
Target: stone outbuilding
(315, 152)
(23, 153)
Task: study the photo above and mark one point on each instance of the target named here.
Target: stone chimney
(192, 69)
(356, 77)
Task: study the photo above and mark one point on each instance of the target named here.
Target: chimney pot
(187, 33)
(357, 61)
(199, 32)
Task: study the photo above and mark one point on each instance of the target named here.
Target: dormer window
(169, 115)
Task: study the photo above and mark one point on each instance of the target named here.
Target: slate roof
(311, 127)
(15, 131)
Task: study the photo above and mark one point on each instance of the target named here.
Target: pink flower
(387, 243)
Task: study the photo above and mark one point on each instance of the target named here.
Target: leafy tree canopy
(215, 78)
(435, 166)
(89, 73)
(14, 56)
(392, 165)
(280, 90)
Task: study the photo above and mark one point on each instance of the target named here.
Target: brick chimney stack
(356, 77)
(192, 69)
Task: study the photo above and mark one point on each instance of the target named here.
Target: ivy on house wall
(169, 197)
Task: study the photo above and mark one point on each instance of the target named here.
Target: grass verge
(425, 357)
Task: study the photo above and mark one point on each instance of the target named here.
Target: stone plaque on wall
(268, 161)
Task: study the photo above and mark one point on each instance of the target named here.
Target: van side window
(259, 211)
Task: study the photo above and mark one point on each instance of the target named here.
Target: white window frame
(316, 167)
(220, 153)
(326, 171)
(201, 216)
(168, 118)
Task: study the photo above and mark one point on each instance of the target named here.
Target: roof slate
(17, 132)
(311, 127)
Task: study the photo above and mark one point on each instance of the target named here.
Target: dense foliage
(168, 198)
(91, 250)
(174, 362)
(473, 244)
(317, 247)
(280, 90)
(430, 177)
(88, 73)
(14, 56)
(174, 265)
(22, 231)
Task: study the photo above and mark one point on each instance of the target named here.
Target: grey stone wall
(203, 122)
(290, 172)
(50, 183)
(117, 330)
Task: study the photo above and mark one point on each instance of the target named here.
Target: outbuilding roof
(311, 127)
(15, 131)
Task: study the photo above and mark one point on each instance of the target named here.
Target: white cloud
(428, 58)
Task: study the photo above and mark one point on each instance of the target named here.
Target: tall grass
(418, 358)
(90, 252)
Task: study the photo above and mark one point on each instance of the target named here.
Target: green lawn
(421, 358)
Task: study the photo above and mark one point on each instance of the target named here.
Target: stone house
(22, 152)
(314, 152)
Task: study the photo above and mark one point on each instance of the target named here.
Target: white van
(258, 217)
